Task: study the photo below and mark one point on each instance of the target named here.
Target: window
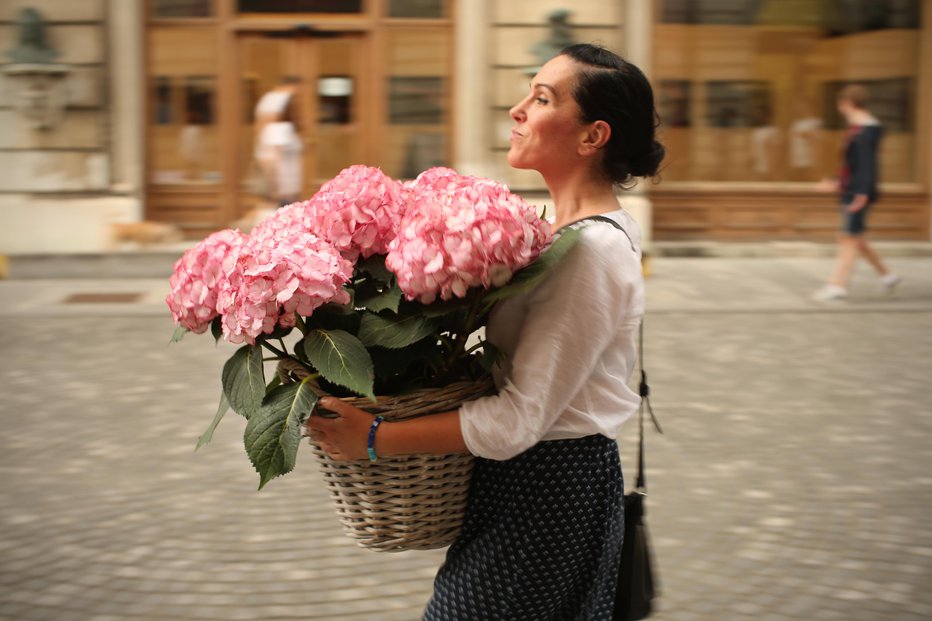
(847, 17)
(416, 101)
(737, 104)
(746, 88)
(890, 101)
(674, 96)
(429, 9)
(335, 99)
(182, 8)
(300, 6)
(419, 62)
(183, 140)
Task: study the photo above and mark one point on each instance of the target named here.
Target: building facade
(159, 116)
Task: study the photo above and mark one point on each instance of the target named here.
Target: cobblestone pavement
(792, 483)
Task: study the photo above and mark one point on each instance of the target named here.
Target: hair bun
(647, 163)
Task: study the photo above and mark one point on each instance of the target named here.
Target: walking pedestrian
(278, 146)
(857, 184)
(542, 534)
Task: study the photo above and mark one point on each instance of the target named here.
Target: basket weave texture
(411, 502)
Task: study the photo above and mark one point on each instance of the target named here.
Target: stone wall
(58, 188)
(515, 29)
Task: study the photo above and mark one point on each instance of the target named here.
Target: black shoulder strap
(609, 221)
(644, 391)
(643, 388)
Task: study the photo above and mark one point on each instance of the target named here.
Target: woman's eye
(542, 101)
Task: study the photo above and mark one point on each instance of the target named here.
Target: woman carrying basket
(542, 534)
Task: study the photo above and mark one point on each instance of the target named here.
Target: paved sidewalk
(792, 482)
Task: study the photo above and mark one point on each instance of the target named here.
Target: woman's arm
(346, 437)
(572, 317)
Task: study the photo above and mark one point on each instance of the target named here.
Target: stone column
(126, 76)
(471, 91)
(925, 101)
(638, 28)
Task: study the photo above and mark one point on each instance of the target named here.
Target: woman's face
(548, 122)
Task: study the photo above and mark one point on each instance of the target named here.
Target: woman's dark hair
(610, 89)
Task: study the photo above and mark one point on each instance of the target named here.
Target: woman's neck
(575, 199)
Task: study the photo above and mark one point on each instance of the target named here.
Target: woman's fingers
(338, 406)
(344, 436)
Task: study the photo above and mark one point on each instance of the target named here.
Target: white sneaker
(889, 282)
(830, 292)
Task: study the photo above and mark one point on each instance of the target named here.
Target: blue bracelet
(375, 425)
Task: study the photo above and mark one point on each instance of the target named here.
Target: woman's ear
(596, 137)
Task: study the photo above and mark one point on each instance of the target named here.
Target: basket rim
(485, 382)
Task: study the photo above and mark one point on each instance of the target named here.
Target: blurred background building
(127, 110)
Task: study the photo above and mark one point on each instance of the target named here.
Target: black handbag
(637, 584)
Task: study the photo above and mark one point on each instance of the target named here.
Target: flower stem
(275, 350)
(475, 347)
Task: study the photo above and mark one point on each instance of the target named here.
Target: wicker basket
(413, 502)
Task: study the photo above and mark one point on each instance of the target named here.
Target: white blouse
(570, 348)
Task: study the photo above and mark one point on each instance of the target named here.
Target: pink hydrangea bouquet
(373, 286)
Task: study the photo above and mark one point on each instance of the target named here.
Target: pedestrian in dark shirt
(857, 185)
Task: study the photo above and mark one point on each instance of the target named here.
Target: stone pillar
(924, 125)
(472, 93)
(126, 35)
(638, 26)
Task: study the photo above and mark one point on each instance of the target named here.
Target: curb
(158, 263)
(778, 249)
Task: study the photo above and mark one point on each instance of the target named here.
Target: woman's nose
(517, 112)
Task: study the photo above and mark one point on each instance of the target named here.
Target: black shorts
(854, 223)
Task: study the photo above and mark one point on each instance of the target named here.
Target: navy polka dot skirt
(541, 539)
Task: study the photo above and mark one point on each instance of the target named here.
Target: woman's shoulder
(619, 237)
(603, 248)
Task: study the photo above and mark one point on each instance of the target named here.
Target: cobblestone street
(794, 480)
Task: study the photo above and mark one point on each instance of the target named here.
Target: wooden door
(327, 74)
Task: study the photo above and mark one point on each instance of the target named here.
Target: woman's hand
(827, 184)
(859, 203)
(344, 438)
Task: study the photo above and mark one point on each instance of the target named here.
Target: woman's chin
(515, 160)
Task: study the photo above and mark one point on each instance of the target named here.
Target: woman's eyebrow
(544, 85)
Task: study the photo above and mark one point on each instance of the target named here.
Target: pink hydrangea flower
(293, 218)
(359, 211)
(276, 277)
(438, 178)
(463, 232)
(198, 276)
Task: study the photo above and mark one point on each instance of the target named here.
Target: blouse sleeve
(572, 317)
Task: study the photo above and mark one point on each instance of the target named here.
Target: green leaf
(378, 301)
(208, 435)
(535, 273)
(333, 317)
(389, 362)
(342, 359)
(243, 380)
(216, 328)
(439, 308)
(274, 383)
(490, 356)
(375, 267)
(273, 435)
(393, 333)
(180, 331)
